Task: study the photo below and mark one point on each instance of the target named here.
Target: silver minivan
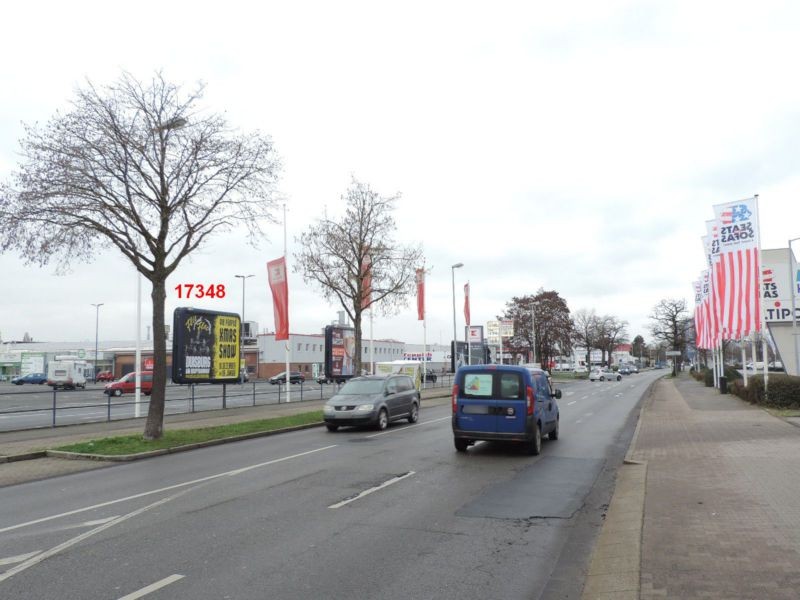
(373, 400)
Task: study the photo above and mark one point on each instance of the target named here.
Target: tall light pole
(453, 272)
(241, 332)
(96, 329)
(793, 280)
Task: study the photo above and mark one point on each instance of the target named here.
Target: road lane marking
(407, 427)
(153, 587)
(584, 397)
(372, 490)
(164, 489)
(19, 558)
(578, 421)
(571, 403)
(588, 414)
(77, 539)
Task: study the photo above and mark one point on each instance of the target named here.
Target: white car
(604, 375)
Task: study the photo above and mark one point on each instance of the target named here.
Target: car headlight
(365, 407)
(328, 410)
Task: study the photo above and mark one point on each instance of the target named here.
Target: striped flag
(466, 303)
(739, 269)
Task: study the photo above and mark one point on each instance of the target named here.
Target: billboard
(340, 348)
(205, 346)
(460, 355)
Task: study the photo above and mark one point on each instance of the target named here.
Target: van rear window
(477, 385)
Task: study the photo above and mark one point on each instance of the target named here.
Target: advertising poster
(205, 346)
(340, 347)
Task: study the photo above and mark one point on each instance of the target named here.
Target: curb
(184, 448)
(628, 460)
(26, 456)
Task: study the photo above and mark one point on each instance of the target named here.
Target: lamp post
(96, 329)
(793, 280)
(241, 332)
(453, 272)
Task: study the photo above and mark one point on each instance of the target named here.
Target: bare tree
(135, 167)
(611, 332)
(671, 324)
(356, 262)
(585, 332)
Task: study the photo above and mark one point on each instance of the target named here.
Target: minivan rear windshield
(505, 386)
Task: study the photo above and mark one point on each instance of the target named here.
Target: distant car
(634, 368)
(430, 375)
(373, 400)
(294, 377)
(624, 370)
(104, 376)
(127, 384)
(604, 375)
(322, 379)
(38, 378)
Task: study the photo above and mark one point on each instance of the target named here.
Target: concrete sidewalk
(16, 445)
(712, 510)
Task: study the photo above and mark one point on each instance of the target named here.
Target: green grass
(134, 444)
(783, 412)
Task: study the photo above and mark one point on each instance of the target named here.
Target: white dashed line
(153, 587)
(372, 489)
(571, 403)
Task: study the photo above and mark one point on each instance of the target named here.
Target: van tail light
(455, 398)
(531, 400)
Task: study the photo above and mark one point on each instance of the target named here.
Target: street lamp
(453, 272)
(793, 280)
(96, 328)
(241, 333)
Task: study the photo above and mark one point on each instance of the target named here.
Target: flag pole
(288, 344)
(424, 331)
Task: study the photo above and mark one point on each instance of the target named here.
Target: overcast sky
(576, 147)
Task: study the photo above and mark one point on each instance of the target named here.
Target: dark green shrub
(708, 377)
(732, 374)
(784, 391)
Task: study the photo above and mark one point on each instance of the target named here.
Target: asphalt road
(313, 514)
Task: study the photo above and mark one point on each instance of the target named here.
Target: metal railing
(40, 408)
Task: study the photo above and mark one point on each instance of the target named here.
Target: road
(314, 514)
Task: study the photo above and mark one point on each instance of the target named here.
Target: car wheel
(602, 379)
(553, 435)
(332, 427)
(118, 392)
(414, 416)
(383, 420)
(461, 444)
(619, 377)
(535, 445)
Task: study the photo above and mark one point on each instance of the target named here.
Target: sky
(576, 147)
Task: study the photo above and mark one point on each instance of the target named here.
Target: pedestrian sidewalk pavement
(707, 504)
(17, 445)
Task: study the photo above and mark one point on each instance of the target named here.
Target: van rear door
(475, 403)
(512, 403)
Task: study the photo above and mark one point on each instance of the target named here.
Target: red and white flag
(739, 269)
(279, 284)
(366, 281)
(421, 294)
(466, 303)
(698, 313)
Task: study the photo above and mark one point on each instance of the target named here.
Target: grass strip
(134, 444)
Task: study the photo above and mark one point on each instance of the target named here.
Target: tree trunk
(359, 353)
(154, 427)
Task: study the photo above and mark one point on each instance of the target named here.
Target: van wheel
(332, 427)
(553, 435)
(535, 446)
(461, 444)
(414, 416)
(383, 420)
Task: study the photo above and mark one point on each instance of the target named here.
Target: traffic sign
(673, 353)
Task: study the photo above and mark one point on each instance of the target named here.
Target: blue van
(504, 403)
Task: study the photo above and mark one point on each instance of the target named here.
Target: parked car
(104, 376)
(634, 368)
(504, 403)
(38, 378)
(294, 377)
(322, 379)
(430, 375)
(127, 384)
(373, 400)
(604, 375)
(624, 370)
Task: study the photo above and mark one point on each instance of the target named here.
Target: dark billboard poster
(340, 346)
(205, 346)
(461, 355)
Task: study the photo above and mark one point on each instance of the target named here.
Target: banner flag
(366, 281)
(278, 283)
(698, 316)
(711, 240)
(739, 268)
(420, 294)
(466, 303)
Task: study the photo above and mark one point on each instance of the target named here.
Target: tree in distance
(356, 262)
(670, 324)
(551, 324)
(138, 167)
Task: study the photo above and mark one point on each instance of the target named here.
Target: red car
(104, 376)
(127, 385)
